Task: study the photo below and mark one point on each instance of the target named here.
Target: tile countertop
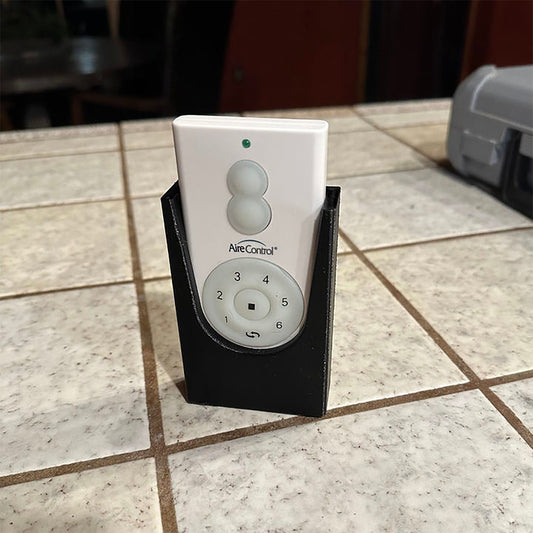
(431, 401)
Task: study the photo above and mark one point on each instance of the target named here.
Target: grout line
(336, 412)
(508, 414)
(151, 147)
(72, 468)
(62, 204)
(158, 278)
(155, 418)
(381, 172)
(418, 125)
(444, 239)
(508, 378)
(505, 411)
(65, 289)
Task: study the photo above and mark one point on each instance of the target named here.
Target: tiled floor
(431, 401)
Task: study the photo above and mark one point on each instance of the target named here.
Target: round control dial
(253, 302)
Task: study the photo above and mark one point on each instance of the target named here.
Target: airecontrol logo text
(251, 246)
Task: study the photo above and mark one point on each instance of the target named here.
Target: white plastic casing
(294, 155)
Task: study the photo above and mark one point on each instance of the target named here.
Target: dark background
(229, 56)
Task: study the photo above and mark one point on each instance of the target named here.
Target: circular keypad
(253, 302)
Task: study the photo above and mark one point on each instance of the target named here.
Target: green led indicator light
(246, 143)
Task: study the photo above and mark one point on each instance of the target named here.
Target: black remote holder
(293, 378)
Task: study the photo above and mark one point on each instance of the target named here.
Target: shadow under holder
(293, 378)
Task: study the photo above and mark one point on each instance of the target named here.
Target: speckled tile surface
(114, 499)
(61, 179)
(519, 397)
(396, 115)
(183, 421)
(146, 125)
(340, 119)
(71, 378)
(430, 140)
(151, 171)
(63, 246)
(95, 130)
(414, 118)
(379, 350)
(59, 141)
(405, 107)
(369, 152)
(91, 375)
(151, 237)
(477, 293)
(413, 206)
(389, 470)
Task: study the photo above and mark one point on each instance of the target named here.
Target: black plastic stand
(293, 378)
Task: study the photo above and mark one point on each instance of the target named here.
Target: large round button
(252, 304)
(248, 215)
(248, 178)
(248, 212)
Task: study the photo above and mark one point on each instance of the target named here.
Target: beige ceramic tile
(404, 207)
(405, 106)
(519, 397)
(151, 237)
(430, 140)
(96, 130)
(183, 421)
(146, 125)
(379, 350)
(114, 499)
(58, 141)
(63, 246)
(71, 378)
(369, 152)
(147, 133)
(148, 139)
(340, 119)
(413, 118)
(436, 466)
(151, 171)
(63, 179)
(476, 292)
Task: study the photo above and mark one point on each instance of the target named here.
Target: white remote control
(252, 191)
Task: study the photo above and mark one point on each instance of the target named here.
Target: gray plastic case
(490, 136)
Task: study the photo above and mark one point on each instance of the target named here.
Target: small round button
(247, 178)
(252, 304)
(248, 214)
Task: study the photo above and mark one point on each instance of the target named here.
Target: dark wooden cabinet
(500, 32)
(294, 54)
